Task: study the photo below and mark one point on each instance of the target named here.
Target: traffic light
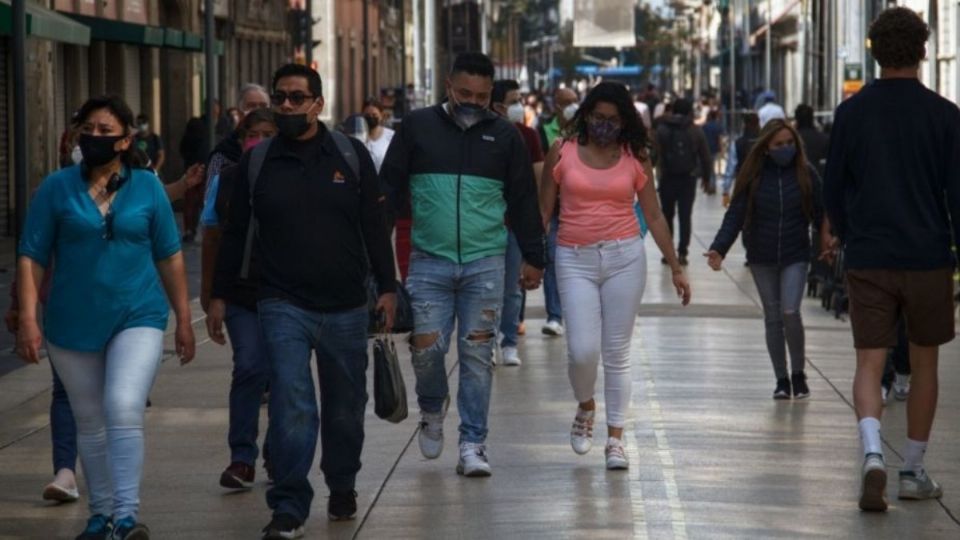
(300, 28)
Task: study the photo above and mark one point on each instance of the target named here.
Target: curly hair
(898, 38)
(632, 133)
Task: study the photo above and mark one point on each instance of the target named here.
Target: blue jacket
(779, 231)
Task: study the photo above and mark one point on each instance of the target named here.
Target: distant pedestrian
(684, 156)
(150, 144)
(104, 327)
(599, 169)
(378, 134)
(738, 151)
(775, 202)
(769, 109)
(816, 143)
(892, 191)
(251, 369)
(713, 131)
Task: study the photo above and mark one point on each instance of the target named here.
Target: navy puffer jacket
(779, 230)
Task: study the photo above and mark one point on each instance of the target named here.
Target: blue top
(100, 287)
(209, 216)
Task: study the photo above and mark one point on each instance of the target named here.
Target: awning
(121, 32)
(763, 29)
(45, 24)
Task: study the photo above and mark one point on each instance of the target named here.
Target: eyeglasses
(296, 98)
(108, 225)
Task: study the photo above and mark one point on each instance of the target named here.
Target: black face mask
(292, 126)
(98, 150)
(372, 122)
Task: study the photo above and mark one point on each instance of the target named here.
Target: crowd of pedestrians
(486, 200)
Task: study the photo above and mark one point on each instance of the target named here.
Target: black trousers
(678, 194)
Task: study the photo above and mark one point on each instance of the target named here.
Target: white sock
(870, 436)
(913, 453)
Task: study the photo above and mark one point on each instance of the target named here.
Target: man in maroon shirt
(505, 101)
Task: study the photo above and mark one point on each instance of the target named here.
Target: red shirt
(532, 140)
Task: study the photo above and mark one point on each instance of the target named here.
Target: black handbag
(389, 390)
(403, 319)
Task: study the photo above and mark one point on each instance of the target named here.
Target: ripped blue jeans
(444, 294)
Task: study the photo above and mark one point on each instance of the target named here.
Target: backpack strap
(257, 156)
(346, 150)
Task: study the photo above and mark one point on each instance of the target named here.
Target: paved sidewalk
(712, 456)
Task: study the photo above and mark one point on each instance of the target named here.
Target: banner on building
(604, 23)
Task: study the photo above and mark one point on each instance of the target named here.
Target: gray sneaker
(918, 487)
(473, 461)
(873, 486)
(431, 434)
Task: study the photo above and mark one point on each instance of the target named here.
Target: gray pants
(781, 292)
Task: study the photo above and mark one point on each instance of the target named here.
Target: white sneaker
(918, 486)
(431, 434)
(473, 460)
(581, 433)
(873, 485)
(901, 387)
(497, 352)
(510, 356)
(616, 455)
(884, 394)
(552, 328)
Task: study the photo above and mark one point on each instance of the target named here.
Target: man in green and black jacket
(461, 169)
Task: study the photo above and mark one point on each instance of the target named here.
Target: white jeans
(108, 393)
(600, 291)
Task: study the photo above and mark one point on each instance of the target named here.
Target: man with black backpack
(684, 154)
(308, 204)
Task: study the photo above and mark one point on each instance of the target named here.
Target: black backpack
(678, 156)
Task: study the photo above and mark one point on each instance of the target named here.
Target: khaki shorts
(879, 297)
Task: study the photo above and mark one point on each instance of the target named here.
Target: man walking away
(684, 154)
(892, 189)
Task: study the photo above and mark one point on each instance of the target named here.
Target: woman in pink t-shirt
(600, 168)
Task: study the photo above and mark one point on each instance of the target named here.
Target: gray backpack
(257, 156)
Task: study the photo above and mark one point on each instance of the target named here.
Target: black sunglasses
(108, 225)
(296, 98)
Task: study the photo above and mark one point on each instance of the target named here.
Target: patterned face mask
(603, 132)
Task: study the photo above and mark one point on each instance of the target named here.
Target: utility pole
(769, 54)
(209, 71)
(19, 31)
(308, 48)
(366, 49)
(731, 21)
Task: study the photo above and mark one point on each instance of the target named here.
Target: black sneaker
(783, 389)
(342, 505)
(684, 261)
(283, 527)
(800, 389)
(128, 529)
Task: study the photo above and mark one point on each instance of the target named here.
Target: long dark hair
(748, 180)
(632, 132)
(121, 111)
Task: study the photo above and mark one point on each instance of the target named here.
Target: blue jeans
(63, 428)
(551, 292)
(249, 380)
(444, 293)
(108, 391)
(339, 340)
(781, 293)
(512, 293)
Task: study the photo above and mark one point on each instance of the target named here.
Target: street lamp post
(769, 52)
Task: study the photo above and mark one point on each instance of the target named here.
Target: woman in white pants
(600, 168)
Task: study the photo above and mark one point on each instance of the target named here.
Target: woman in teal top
(112, 232)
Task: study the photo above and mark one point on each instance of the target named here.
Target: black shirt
(893, 177)
(315, 218)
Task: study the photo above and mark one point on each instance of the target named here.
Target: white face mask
(515, 113)
(76, 156)
(569, 111)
